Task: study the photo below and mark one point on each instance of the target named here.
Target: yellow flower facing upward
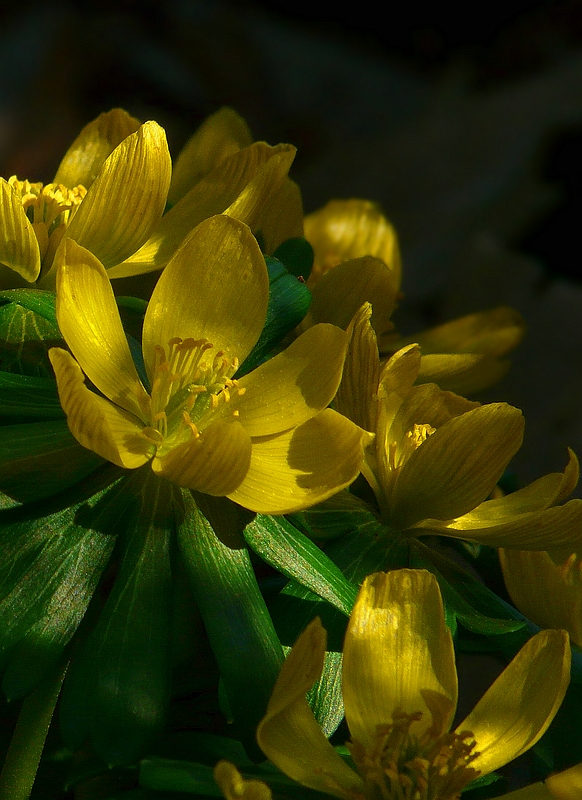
(436, 457)
(546, 587)
(266, 441)
(108, 194)
(400, 691)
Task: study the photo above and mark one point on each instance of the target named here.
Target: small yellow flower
(108, 194)
(436, 457)
(400, 691)
(546, 587)
(267, 441)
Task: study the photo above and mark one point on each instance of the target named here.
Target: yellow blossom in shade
(108, 194)
(565, 785)
(267, 441)
(436, 457)
(399, 686)
(546, 587)
(234, 787)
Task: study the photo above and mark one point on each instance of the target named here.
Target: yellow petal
(219, 136)
(95, 422)
(215, 463)
(127, 198)
(212, 195)
(289, 734)
(463, 373)
(93, 145)
(234, 787)
(216, 288)
(397, 652)
(517, 709)
(18, 243)
(341, 292)
(293, 386)
(539, 530)
(304, 466)
(566, 785)
(494, 332)
(457, 467)
(280, 218)
(345, 229)
(89, 321)
(357, 396)
(548, 590)
(536, 791)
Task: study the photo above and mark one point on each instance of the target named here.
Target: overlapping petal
(98, 139)
(289, 734)
(397, 654)
(302, 466)
(517, 709)
(96, 423)
(18, 244)
(92, 327)
(217, 288)
(293, 386)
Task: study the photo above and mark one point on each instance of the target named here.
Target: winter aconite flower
(437, 457)
(108, 194)
(400, 689)
(266, 441)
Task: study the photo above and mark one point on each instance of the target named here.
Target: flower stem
(23, 757)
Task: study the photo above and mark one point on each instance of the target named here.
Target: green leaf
(289, 301)
(28, 329)
(238, 624)
(117, 689)
(178, 776)
(28, 396)
(297, 255)
(297, 557)
(51, 564)
(326, 698)
(38, 459)
(341, 514)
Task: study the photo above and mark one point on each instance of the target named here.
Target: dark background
(466, 126)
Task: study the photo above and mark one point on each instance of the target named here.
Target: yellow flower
(400, 694)
(546, 587)
(266, 441)
(108, 194)
(565, 785)
(436, 457)
(235, 787)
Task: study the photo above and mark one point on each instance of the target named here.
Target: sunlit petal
(289, 734)
(294, 385)
(18, 244)
(357, 396)
(92, 328)
(95, 143)
(303, 466)
(518, 708)
(397, 650)
(95, 422)
(127, 198)
(217, 288)
(214, 463)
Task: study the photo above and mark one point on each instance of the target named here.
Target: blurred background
(465, 126)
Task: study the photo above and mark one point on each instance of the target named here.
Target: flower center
(399, 452)
(401, 766)
(189, 383)
(49, 210)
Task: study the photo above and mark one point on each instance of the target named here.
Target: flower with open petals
(109, 194)
(437, 457)
(400, 694)
(266, 441)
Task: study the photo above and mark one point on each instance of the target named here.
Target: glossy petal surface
(303, 466)
(518, 708)
(397, 651)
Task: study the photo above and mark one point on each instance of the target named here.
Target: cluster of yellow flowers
(341, 394)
